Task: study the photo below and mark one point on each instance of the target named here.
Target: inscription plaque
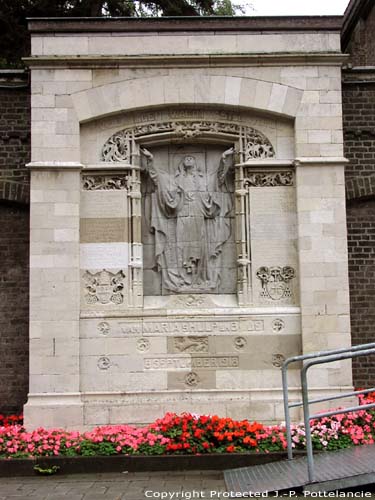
(187, 363)
(103, 230)
(179, 327)
(193, 327)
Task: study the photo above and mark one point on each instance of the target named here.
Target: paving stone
(53, 496)
(111, 486)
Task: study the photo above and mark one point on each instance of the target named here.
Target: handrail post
(306, 418)
(284, 374)
(309, 360)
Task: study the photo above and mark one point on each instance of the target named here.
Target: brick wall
(359, 145)
(362, 42)
(359, 141)
(14, 240)
(359, 136)
(361, 235)
(14, 306)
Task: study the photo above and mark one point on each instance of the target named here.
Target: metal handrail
(312, 360)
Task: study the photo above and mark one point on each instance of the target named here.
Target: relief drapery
(190, 220)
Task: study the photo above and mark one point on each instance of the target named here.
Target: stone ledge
(183, 60)
(54, 165)
(321, 160)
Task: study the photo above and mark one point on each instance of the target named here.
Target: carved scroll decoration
(272, 179)
(119, 146)
(104, 287)
(104, 182)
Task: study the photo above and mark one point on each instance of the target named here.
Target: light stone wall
(181, 353)
(54, 291)
(183, 43)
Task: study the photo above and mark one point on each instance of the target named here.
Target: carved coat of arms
(104, 287)
(276, 282)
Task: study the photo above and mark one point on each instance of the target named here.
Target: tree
(15, 40)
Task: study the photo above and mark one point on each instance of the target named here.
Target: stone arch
(185, 89)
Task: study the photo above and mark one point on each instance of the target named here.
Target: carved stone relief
(278, 360)
(278, 325)
(104, 182)
(276, 282)
(104, 328)
(104, 287)
(269, 179)
(192, 379)
(143, 345)
(118, 146)
(104, 363)
(191, 301)
(190, 218)
(191, 344)
(240, 343)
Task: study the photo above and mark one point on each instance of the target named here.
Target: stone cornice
(320, 160)
(183, 60)
(267, 164)
(54, 165)
(185, 23)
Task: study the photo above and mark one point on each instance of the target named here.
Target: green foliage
(228, 8)
(90, 449)
(14, 36)
(46, 471)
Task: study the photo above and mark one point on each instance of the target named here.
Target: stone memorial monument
(187, 216)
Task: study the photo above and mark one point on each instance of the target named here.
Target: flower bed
(186, 434)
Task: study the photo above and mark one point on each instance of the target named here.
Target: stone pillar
(54, 296)
(323, 270)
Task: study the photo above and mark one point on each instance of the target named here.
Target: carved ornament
(104, 182)
(119, 146)
(278, 360)
(240, 343)
(190, 301)
(269, 179)
(104, 363)
(191, 344)
(104, 328)
(275, 281)
(192, 379)
(143, 345)
(278, 325)
(104, 287)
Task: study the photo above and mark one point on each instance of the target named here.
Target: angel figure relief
(190, 220)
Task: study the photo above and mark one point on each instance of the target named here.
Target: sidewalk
(115, 486)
